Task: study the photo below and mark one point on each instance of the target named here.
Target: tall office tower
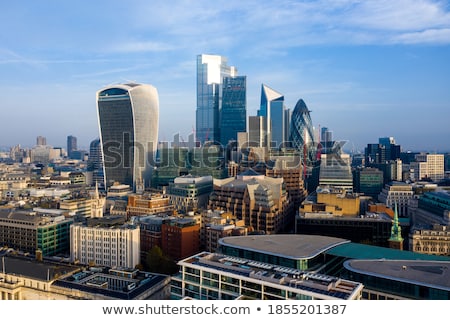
(233, 116)
(326, 140)
(71, 146)
(287, 124)
(95, 163)
(128, 116)
(302, 132)
(257, 132)
(211, 69)
(272, 107)
(392, 150)
(41, 141)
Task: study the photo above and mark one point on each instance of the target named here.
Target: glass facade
(128, 118)
(302, 132)
(211, 69)
(273, 109)
(54, 239)
(233, 116)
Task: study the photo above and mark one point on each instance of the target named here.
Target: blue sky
(366, 69)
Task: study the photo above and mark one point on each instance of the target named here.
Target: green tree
(156, 262)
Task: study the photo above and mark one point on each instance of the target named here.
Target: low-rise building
(25, 278)
(189, 193)
(31, 231)
(431, 240)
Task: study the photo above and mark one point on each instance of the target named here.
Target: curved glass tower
(128, 117)
(301, 133)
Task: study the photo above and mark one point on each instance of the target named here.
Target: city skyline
(365, 69)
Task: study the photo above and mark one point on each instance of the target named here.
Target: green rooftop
(363, 251)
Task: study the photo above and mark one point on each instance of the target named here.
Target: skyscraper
(302, 132)
(95, 162)
(233, 116)
(41, 141)
(128, 116)
(272, 107)
(211, 69)
(71, 145)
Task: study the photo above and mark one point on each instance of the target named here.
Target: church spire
(396, 240)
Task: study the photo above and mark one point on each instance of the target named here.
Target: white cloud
(430, 36)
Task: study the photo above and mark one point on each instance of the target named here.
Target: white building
(429, 166)
(105, 245)
(397, 193)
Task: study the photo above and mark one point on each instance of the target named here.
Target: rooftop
(29, 267)
(430, 273)
(293, 246)
(319, 285)
(118, 284)
(363, 251)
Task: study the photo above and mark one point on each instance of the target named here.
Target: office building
(290, 169)
(385, 273)
(149, 203)
(368, 181)
(430, 208)
(398, 279)
(272, 108)
(29, 278)
(384, 151)
(302, 132)
(71, 146)
(261, 201)
(326, 140)
(428, 167)
(397, 193)
(433, 239)
(41, 141)
(213, 276)
(335, 171)
(95, 163)
(128, 116)
(189, 193)
(180, 237)
(31, 231)
(211, 70)
(233, 115)
(106, 241)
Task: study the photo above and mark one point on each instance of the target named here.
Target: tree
(156, 262)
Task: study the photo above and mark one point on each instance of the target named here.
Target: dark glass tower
(95, 162)
(233, 116)
(71, 146)
(211, 69)
(128, 117)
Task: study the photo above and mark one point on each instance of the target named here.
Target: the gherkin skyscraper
(301, 133)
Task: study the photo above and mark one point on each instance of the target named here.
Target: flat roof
(32, 268)
(292, 246)
(364, 251)
(435, 274)
(318, 285)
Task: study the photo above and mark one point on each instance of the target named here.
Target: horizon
(365, 70)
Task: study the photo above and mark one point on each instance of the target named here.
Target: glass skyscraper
(128, 117)
(233, 116)
(273, 109)
(71, 146)
(302, 132)
(211, 69)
